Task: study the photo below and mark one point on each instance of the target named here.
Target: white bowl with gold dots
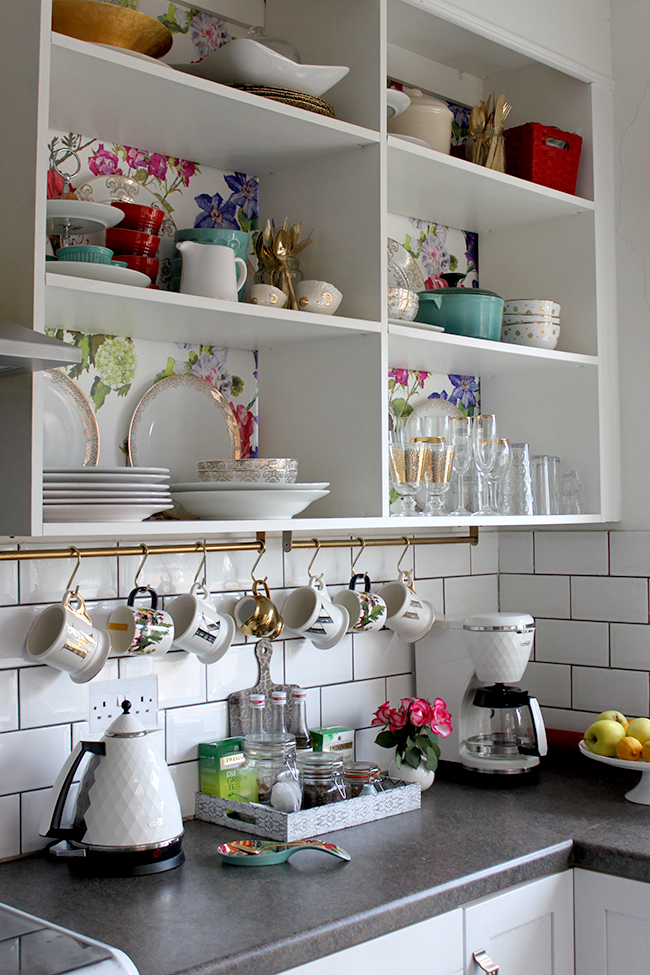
(532, 307)
(539, 335)
(318, 296)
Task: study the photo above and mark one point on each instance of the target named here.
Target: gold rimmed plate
(70, 432)
(179, 421)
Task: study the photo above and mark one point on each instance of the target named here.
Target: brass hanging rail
(253, 545)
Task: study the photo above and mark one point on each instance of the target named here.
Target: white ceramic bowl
(318, 297)
(261, 470)
(243, 61)
(523, 320)
(237, 504)
(396, 102)
(403, 304)
(539, 336)
(532, 306)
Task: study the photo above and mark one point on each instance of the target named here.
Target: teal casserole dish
(463, 311)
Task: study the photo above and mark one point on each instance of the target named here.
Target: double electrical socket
(106, 699)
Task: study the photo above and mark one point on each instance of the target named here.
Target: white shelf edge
(485, 345)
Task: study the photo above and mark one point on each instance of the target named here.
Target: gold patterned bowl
(256, 470)
(107, 23)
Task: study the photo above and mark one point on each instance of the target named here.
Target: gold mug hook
(363, 545)
(316, 542)
(406, 548)
(68, 588)
(257, 560)
(203, 584)
(145, 549)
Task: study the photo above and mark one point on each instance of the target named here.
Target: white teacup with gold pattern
(318, 296)
(266, 294)
(64, 637)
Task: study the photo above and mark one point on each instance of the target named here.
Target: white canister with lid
(427, 118)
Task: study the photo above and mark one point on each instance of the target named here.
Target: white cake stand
(641, 792)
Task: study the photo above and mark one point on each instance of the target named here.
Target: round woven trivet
(296, 98)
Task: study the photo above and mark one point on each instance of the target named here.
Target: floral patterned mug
(367, 610)
(141, 631)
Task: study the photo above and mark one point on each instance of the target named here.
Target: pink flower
(397, 719)
(246, 422)
(103, 162)
(136, 158)
(401, 376)
(422, 378)
(382, 714)
(440, 721)
(157, 165)
(208, 33)
(420, 712)
(54, 184)
(186, 168)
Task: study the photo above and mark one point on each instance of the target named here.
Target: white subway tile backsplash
(181, 677)
(14, 626)
(187, 727)
(365, 749)
(561, 720)
(546, 596)
(8, 700)
(572, 642)
(186, 780)
(238, 669)
(549, 683)
(629, 553)
(9, 827)
(8, 579)
(313, 707)
(470, 594)
(617, 600)
(167, 574)
(352, 705)
(398, 687)
(484, 557)
(597, 689)
(31, 759)
(232, 570)
(31, 812)
(516, 552)
(48, 696)
(571, 553)
(630, 645)
(307, 666)
(436, 561)
(45, 580)
(381, 654)
(332, 563)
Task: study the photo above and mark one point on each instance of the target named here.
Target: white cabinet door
(435, 945)
(612, 925)
(527, 930)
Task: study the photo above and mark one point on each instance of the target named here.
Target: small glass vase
(422, 775)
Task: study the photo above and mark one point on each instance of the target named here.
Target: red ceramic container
(147, 265)
(131, 242)
(148, 220)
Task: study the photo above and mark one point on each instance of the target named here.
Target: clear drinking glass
(460, 429)
(407, 462)
(484, 437)
(494, 478)
(517, 487)
(437, 474)
(572, 503)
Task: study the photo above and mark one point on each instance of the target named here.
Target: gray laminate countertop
(210, 918)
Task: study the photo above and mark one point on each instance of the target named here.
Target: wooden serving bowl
(107, 23)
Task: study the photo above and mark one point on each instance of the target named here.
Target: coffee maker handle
(51, 821)
(538, 723)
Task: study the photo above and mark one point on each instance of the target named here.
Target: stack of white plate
(113, 494)
(214, 500)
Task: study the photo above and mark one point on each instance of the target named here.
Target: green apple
(603, 735)
(612, 716)
(639, 728)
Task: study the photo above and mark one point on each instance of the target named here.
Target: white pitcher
(211, 270)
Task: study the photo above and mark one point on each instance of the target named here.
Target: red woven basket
(544, 155)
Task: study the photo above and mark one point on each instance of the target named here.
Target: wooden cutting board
(239, 710)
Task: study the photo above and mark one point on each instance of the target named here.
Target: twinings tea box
(220, 770)
(334, 739)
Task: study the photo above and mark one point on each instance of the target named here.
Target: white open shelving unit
(323, 395)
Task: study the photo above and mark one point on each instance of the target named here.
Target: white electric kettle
(128, 819)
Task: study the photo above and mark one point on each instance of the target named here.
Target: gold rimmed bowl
(107, 23)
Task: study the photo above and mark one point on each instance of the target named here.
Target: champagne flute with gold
(407, 463)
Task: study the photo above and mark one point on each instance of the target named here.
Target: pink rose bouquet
(411, 729)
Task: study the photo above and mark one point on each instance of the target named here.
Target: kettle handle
(51, 821)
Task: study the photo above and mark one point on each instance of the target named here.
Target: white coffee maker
(474, 664)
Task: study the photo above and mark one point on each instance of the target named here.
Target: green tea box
(221, 773)
(334, 739)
